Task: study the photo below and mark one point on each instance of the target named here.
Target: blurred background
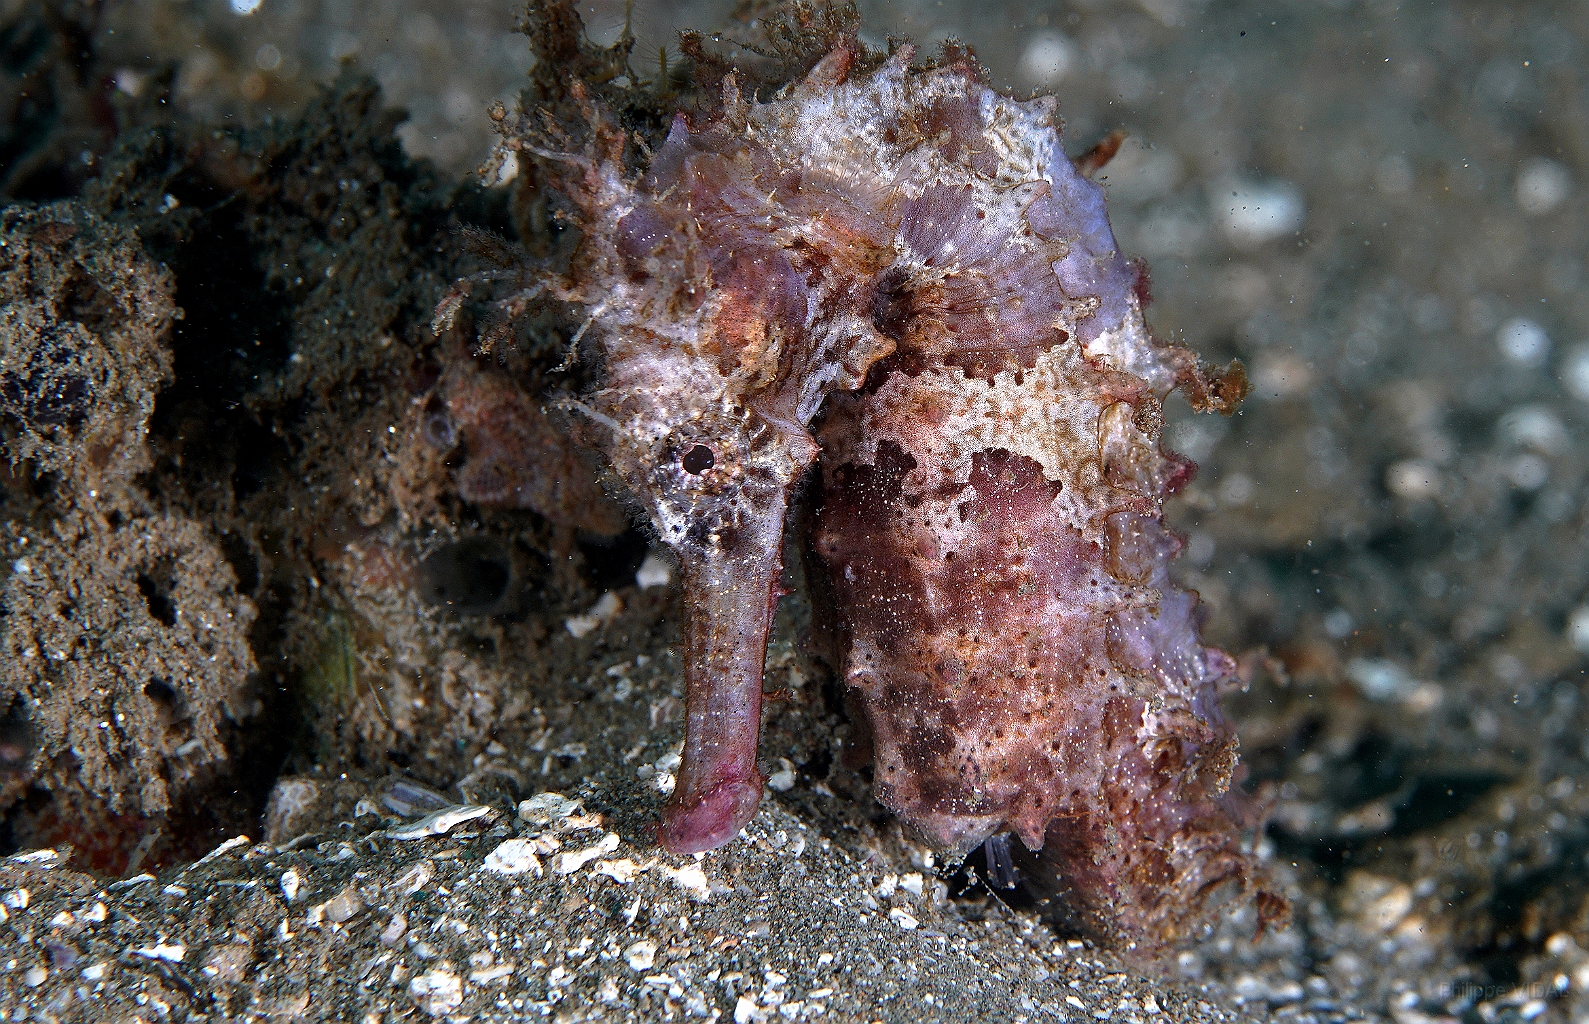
(1379, 207)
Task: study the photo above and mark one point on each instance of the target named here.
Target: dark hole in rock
(240, 556)
(436, 426)
(162, 693)
(610, 564)
(55, 388)
(16, 741)
(471, 577)
(1434, 798)
(159, 603)
(258, 453)
(83, 300)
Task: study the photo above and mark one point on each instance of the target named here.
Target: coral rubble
(124, 639)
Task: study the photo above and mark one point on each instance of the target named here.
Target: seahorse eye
(698, 459)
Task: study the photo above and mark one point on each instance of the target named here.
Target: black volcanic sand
(241, 594)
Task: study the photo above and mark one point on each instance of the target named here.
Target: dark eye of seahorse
(698, 459)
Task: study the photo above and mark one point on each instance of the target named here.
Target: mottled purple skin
(901, 278)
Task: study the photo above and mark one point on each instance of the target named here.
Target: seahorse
(895, 274)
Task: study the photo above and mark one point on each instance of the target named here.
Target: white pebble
(1253, 212)
(1575, 372)
(1528, 472)
(621, 871)
(169, 952)
(1534, 426)
(690, 878)
(34, 976)
(571, 861)
(441, 822)
(904, 920)
(513, 857)
(343, 907)
(1578, 629)
(545, 808)
(1542, 185)
(600, 613)
(394, 930)
(1412, 480)
(641, 955)
(437, 991)
(290, 883)
(1523, 342)
(653, 572)
(1379, 678)
(1047, 59)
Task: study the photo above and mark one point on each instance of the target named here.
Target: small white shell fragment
(911, 883)
(491, 975)
(641, 955)
(601, 613)
(231, 844)
(344, 906)
(34, 976)
(169, 952)
(620, 871)
(903, 919)
(781, 781)
(441, 822)
(16, 899)
(689, 878)
(46, 858)
(415, 878)
(96, 914)
(570, 861)
(437, 991)
(64, 919)
(545, 808)
(653, 572)
(513, 857)
(394, 930)
(291, 881)
(94, 972)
